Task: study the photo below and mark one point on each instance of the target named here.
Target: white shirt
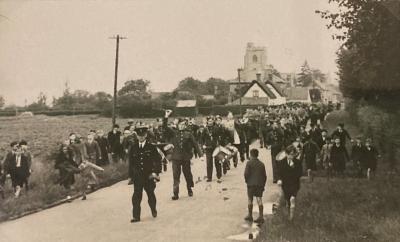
(142, 144)
(236, 137)
(18, 160)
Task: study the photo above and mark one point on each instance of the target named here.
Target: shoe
(175, 197)
(84, 197)
(190, 193)
(130, 182)
(259, 220)
(154, 213)
(209, 180)
(249, 218)
(219, 180)
(135, 220)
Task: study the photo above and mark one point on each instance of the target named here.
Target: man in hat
(144, 168)
(289, 173)
(114, 139)
(208, 139)
(184, 143)
(370, 158)
(222, 138)
(130, 124)
(342, 134)
(25, 150)
(276, 139)
(357, 151)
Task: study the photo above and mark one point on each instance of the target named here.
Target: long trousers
(240, 148)
(179, 166)
(210, 163)
(139, 185)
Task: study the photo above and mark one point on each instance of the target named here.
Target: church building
(258, 84)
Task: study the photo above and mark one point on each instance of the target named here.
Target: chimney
(258, 77)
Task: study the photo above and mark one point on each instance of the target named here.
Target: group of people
(293, 134)
(17, 164)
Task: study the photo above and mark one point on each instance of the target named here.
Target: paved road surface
(215, 213)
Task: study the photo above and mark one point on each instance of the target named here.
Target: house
(260, 93)
(302, 94)
(186, 108)
(297, 94)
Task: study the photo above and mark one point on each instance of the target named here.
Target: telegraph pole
(114, 110)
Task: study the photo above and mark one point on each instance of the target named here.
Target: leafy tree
(190, 84)
(136, 88)
(318, 75)
(101, 100)
(305, 76)
(369, 59)
(40, 104)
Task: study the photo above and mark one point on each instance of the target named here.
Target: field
(44, 135)
(342, 209)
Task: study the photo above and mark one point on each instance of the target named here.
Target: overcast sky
(43, 44)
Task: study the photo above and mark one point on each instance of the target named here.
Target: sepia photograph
(199, 120)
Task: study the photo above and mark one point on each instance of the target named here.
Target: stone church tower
(255, 61)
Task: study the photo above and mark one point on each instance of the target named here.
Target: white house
(259, 94)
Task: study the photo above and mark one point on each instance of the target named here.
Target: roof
(280, 91)
(207, 97)
(250, 101)
(297, 93)
(156, 94)
(263, 87)
(186, 103)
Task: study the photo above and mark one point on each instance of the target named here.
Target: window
(255, 58)
(256, 93)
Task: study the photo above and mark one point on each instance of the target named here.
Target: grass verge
(342, 209)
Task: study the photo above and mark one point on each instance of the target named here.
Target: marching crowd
(293, 133)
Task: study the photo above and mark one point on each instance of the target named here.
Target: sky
(44, 44)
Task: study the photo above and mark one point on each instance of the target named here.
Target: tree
(101, 100)
(40, 104)
(305, 76)
(318, 75)
(2, 101)
(136, 88)
(189, 84)
(369, 59)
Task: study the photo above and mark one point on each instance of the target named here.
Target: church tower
(255, 61)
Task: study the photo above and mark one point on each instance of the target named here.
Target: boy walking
(256, 178)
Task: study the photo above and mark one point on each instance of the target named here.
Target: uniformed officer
(184, 143)
(209, 141)
(144, 167)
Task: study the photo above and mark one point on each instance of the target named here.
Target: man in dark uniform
(207, 138)
(114, 139)
(184, 143)
(144, 167)
(276, 139)
(222, 138)
(194, 128)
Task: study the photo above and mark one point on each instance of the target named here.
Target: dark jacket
(254, 173)
(143, 161)
(241, 129)
(114, 140)
(222, 135)
(357, 152)
(342, 136)
(290, 175)
(183, 142)
(208, 138)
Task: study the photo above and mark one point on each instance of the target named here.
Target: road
(214, 213)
